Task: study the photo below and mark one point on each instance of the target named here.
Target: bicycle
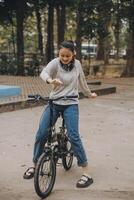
(58, 146)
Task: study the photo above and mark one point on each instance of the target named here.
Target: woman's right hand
(56, 82)
(93, 95)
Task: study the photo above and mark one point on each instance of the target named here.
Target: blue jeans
(71, 117)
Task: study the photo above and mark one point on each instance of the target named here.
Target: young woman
(65, 74)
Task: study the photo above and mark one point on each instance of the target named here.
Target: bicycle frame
(52, 152)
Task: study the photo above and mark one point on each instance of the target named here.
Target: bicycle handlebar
(38, 97)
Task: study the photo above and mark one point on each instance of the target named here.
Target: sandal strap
(86, 176)
(29, 170)
(83, 179)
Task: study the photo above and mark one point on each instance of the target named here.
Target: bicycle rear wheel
(67, 159)
(45, 174)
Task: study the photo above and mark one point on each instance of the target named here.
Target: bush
(8, 65)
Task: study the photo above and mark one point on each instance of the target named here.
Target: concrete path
(107, 131)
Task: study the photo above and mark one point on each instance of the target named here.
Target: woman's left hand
(93, 95)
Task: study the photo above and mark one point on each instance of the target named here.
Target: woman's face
(66, 55)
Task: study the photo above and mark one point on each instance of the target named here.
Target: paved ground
(107, 127)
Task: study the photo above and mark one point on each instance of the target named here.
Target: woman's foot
(84, 182)
(29, 173)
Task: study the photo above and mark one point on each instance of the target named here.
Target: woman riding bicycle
(65, 74)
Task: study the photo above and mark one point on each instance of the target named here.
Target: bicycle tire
(67, 159)
(41, 174)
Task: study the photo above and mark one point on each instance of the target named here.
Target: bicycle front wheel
(45, 174)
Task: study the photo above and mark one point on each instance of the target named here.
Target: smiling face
(66, 55)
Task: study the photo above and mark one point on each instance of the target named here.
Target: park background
(32, 30)
(30, 34)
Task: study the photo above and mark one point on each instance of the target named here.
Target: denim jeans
(71, 117)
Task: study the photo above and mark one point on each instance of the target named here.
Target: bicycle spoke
(44, 176)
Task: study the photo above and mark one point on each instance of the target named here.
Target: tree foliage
(38, 26)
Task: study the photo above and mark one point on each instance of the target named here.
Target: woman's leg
(71, 115)
(41, 137)
(43, 131)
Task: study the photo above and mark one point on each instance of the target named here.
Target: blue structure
(7, 91)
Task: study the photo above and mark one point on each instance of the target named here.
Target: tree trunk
(38, 17)
(129, 70)
(61, 22)
(13, 40)
(12, 33)
(106, 52)
(20, 38)
(117, 36)
(100, 51)
(50, 37)
(58, 25)
(107, 42)
(104, 32)
(78, 33)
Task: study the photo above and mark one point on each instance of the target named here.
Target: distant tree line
(78, 20)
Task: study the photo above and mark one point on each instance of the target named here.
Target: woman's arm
(49, 71)
(83, 84)
(48, 74)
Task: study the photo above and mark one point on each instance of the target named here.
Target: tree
(61, 20)
(117, 25)
(86, 23)
(79, 20)
(104, 25)
(50, 32)
(17, 7)
(38, 17)
(60, 6)
(127, 12)
(20, 36)
(6, 18)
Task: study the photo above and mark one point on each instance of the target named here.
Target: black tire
(67, 159)
(44, 177)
